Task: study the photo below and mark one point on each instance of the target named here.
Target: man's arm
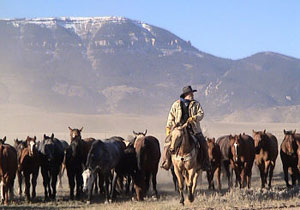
(171, 118)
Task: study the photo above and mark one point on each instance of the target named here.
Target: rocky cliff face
(118, 65)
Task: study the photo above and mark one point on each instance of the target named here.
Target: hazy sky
(226, 28)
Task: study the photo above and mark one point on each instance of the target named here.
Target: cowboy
(186, 109)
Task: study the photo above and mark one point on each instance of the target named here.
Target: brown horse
(290, 155)
(266, 149)
(185, 160)
(148, 155)
(8, 169)
(243, 154)
(214, 155)
(75, 160)
(28, 164)
(19, 145)
(226, 156)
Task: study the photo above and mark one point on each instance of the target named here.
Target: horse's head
(88, 179)
(138, 135)
(2, 141)
(48, 147)
(75, 147)
(211, 143)
(260, 139)
(75, 133)
(176, 136)
(235, 142)
(290, 142)
(31, 145)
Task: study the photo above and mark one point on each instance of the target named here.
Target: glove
(191, 119)
(168, 131)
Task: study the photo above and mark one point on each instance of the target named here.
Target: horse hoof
(106, 202)
(191, 198)
(88, 202)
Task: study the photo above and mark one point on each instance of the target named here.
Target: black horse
(103, 156)
(51, 152)
(74, 162)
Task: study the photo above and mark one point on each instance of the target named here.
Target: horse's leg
(261, 171)
(196, 176)
(54, 174)
(294, 176)
(27, 186)
(19, 175)
(113, 186)
(127, 185)
(271, 169)
(71, 183)
(34, 182)
(286, 175)
(79, 184)
(174, 178)
(210, 179)
(266, 170)
(106, 178)
(59, 184)
(190, 174)
(218, 180)
(154, 183)
(6, 193)
(180, 183)
(147, 182)
(45, 181)
(226, 167)
(243, 175)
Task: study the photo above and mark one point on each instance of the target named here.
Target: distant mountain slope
(118, 65)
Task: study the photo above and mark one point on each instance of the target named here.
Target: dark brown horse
(226, 155)
(290, 154)
(243, 154)
(19, 145)
(75, 159)
(214, 155)
(148, 155)
(266, 152)
(8, 169)
(28, 164)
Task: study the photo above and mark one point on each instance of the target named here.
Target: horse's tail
(139, 156)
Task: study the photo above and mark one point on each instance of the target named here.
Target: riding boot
(166, 159)
(206, 166)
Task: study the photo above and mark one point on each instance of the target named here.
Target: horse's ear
(45, 136)
(284, 131)
(265, 131)
(27, 138)
(4, 139)
(81, 129)
(253, 131)
(294, 132)
(145, 132)
(240, 136)
(52, 136)
(34, 138)
(213, 139)
(70, 128)
(134, 133)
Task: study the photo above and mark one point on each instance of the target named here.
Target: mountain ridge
(119, 65)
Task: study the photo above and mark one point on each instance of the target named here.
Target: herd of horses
(115, 165)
